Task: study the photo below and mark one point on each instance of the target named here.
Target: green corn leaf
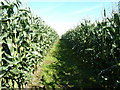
(4, 6)
(24, 10)
(1, 75)
(10, 45)
(89, 49)
(117, 19)
(104, 13)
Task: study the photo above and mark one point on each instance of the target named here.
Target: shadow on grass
(69, 71)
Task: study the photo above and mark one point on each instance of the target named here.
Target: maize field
(24, 41)
(98, 44)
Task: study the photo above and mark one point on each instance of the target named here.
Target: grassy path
(61, 68)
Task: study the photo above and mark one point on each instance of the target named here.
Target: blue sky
(65, 15)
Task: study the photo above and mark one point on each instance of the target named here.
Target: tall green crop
(25, 40)
(98, 44)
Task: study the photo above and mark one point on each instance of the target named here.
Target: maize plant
(24, 41)
(98, 44)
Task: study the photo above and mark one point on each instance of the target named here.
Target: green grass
(41, 69)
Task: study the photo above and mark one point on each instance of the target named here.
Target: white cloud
(49, 8)
(1, 0)
(44, 10)
(86, 10)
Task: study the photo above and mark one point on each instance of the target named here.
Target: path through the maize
(61, 68)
